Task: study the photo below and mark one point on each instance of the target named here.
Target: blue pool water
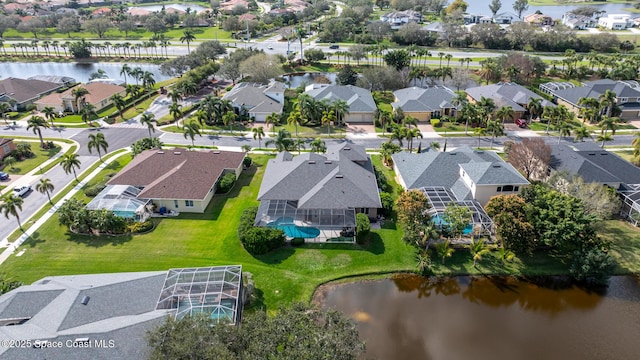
(292, 230)
(440, 221)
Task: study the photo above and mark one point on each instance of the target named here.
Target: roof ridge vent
(346, 148)
(216, 151)
(177, 153)
(160, 152)
(328, 162)
(496, 165)
(339, 176)
(311, 162)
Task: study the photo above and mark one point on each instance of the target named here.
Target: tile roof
(358, 99)
(177, 174)
(415, 99)
(322, 182)
(23, 90)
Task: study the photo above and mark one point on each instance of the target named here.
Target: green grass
(625, 154)
(625, 245)
(140, 107)
(306, 131)
(43, 170)
(101, 178)
(389, 174)
(449, 127)
(24, 166)
(173, 35)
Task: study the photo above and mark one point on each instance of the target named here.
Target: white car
(270, 47)
(21, 191)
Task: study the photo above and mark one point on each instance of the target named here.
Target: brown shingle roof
(97, 92)
(4, 141)
(177, 174)
(22, 90)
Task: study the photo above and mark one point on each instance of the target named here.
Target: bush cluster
(363, 226)
(94, 190)
(258, 240)
(226, 183)
(140, 227)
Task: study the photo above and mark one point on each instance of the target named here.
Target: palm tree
(119, 102)
(444, 250)
(175, 111)
(258, 133)
(318, 146)
(44, 186)
(495, 128)
(590, 109)
(175, 95)
(505, 112)
(608, 100)
(228, 119)
(35, 123)
(98, 142)
(399, 133)
(88, 113)
(608, 124)
(295, 118)
(505, 254)
(10, 206)
(486, 106)
(441, 55)
(327, 118)
(479, 132)
(50, 113)
(384, 119)
(424, 261)
(148, 119)
(148, 80)
(188, 37)
(191, 130)
(4, 108)
(564, 129)
(79, 93)
(636, 147)
(477, 249)
(282, 141)
(535, 108)
(272, 119)
(412, 133)
(581, 133)
(70, 163)
(341, 109)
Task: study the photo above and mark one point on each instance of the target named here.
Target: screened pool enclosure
(306, 223)
(439, 197)
(122, 201)
(214, 291)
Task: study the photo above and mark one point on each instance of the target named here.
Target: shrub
(94, 190)
(226, 183)
(247, 162)
(436, 123)
(387, 203)
(109, 120)
(259, 240)
(246, 221)
(297, 241)
(363, 225)
(140, 227)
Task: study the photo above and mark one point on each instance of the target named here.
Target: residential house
(569, 95)
(616, 21)
(399, 18)
(179, 180)
(434, 28)
(360, 101)
(594, 164)
(108, 316)
(227, 6)
(469, 174)
(539, 19)
(578, 22)
(6, 147)
(506, 18)
(425, 103)
(317, 196)
(506, 94)
(123, 201)
(61, 80)
(470, 19)
(257, 100)
(99, 96)
(23, 92)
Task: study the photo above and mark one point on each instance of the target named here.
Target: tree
(458, 218)
(301, 33)
(479, 132)
(124, 71)
(49, 113)
(191, 130)
(78, 94)
(495, 7)
(11, 205)
(67, 25)
(636, 147)
(35, 123)
(598, 200)
(261, 67)
(148, 119)
(495, 128)
(69, 163)
(592, 265)
(298, 331)
(272, 119)
(98, 142)
(230, 69)
(513, 229)
(478, 249)
(457, 6)
(531, 157)
(98, 26)
(411, 207)
(155, 24)
(444, 250)
(258, 133)
(581, 133)
(398, 59)
(282, 141)
(33, 25)
(188, 37)
(88, 113)
(145, 144)
(608, 100)
(176, 112)
(318, 146)
(607, 124)
(228, 119)
(10, 160)
(504, 113)
(45, 186)
(347, 76)
(520, 6)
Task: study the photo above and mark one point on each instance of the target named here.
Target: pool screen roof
(215, 291)
(439, 197)
(119, 198)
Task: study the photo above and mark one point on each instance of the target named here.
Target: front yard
(28, 164)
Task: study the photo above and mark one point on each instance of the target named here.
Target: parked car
(270, 47)
(334, 46)
(522, 123)
(21, 191)
(4, 176)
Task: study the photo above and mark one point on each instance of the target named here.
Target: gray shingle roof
(322, 182)
(594, 165)
(22, 90)
(253, 97)
(506, 94)
(415, 99)
(593, 89)
(358, 99)
(493, 173)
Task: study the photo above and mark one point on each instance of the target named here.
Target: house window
(624, 100)
(507, 188)
(188, 203)
(175, 203)
(6, 149)
(499, 189)
(516, 188)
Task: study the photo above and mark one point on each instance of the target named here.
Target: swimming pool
(439, 221)
(292, 230)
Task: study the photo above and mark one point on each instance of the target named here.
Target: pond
(304, 79)
(78, 71)
(411, 317)
(183, 7)
(555, 11)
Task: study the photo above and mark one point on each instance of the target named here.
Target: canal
(78, 71)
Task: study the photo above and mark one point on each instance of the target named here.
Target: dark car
(4, 176)
(334, 46)
(521, 123)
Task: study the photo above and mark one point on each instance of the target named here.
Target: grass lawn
(625, 245)
(24, 166)
(102, 177)
(625, 154)
(312, 131)
(449, 127)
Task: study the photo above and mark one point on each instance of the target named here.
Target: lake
(555, 11)
(78, 71)
(411, 317)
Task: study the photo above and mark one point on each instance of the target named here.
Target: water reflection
(492, 318)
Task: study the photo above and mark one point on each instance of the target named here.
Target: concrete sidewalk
(11, 247)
